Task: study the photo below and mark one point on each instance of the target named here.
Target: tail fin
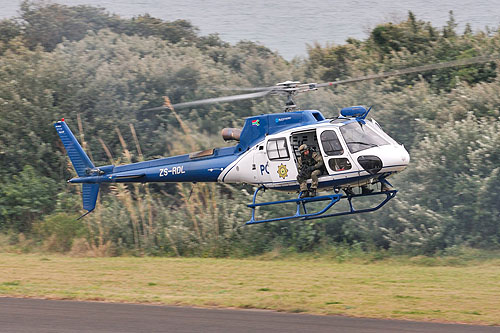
(81, 163)
(80, 160)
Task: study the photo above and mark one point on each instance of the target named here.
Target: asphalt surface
(37, 315)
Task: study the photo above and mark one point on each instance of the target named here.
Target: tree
(46, 24)
(146, 25)
(448, 196)
(25, 198)
(9, 29)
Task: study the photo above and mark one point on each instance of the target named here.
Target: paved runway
(36, 315)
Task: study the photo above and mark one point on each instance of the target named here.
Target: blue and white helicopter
(358, 155)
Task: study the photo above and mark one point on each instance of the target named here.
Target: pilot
(310, 166)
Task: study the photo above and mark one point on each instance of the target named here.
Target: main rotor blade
(247, 88)
(289, 87)
(212, 101)
(424, 68)
(221, 99)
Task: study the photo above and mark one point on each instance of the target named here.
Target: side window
(277, 149)
(331, 143)
(339, 164)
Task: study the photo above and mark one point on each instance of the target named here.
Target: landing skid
(331, 200)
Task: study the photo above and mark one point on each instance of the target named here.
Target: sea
(290, 27)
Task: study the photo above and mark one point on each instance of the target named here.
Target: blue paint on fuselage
(183, 168)
(258, 127)
(173, 169)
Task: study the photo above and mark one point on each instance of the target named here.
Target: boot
(304, 194)
(348, 191)
(386, 187)
(312, 192)
(366, 190)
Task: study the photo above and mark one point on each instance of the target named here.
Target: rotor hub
(290, 89)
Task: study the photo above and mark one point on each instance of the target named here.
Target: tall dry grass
(188, 219)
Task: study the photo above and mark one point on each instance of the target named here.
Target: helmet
(303, 148)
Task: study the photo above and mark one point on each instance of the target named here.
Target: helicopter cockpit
(359, 137)
(341, 145)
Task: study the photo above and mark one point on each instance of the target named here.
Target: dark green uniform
(310, 166)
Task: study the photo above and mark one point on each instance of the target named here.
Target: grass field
(386, 289)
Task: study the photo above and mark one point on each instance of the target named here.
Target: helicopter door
(261, 165)
(337, 161)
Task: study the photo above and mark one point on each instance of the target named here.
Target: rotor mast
(290, 89)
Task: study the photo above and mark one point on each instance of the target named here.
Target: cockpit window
(360, 137)
(331, 144)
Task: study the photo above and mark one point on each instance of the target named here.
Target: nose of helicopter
(388, 158)
(405, 156)
(394, 158)
(400, 157)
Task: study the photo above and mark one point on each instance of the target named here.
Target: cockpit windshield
(360, 137)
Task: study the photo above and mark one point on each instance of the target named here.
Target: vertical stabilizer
(89, 196)
(82, 164)
(80, 160)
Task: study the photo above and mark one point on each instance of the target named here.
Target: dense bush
(97, 70)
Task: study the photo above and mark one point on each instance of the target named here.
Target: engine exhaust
(229, 134)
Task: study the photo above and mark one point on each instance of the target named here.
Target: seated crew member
(310, 166)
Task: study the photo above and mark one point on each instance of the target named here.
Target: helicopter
(357, 153)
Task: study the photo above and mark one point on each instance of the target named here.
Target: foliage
(48, 24)
(97, 70)
(25, 198)
(406, 44)
(452, 199)
(9, 29)
(58, 231)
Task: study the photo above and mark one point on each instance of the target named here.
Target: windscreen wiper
(362, 143)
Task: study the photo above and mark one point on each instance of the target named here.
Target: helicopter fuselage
(273, 162)
(354, 152)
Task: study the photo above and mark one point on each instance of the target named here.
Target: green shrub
(58, 231)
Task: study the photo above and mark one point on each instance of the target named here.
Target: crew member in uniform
(310, 166)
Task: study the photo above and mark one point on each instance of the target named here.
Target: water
(287, 26)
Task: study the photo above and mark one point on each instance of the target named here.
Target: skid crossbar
(332, 199)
